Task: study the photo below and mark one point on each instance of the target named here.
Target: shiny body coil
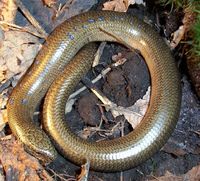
(61, 46)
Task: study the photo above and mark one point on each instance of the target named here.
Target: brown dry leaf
(84, 172)
(191, 175)
(3, 112)
(49, 3)
(8, 10)
(188, 21)
(178, 35)
(17, 53)
(118, 5)
(3, 119)
(135, 113)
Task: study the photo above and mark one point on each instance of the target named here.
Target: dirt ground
(124, 85)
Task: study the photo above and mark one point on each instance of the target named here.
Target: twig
(140, 172)
(17, 27)
(103, 117)
(196, 132)
(98, 54)
(155, 177)
(122, 127)
(62, 8)
(96, 91)
(45, 176)
(95, 129)
(106, 132)
(101, 75)
(101, 122)
(32, 20)
(118, 125)
(61, 176)
(109, 132)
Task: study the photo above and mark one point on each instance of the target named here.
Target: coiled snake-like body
(60, 47)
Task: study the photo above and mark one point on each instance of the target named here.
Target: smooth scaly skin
(61, 46)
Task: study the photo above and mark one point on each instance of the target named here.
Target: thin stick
(62, 8)
(32, 20)
(98, 54)
(17, 27)
(103, 73)
(61, 176)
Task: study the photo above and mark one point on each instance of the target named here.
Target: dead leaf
(3, 111)
(17, 53)
(8, 10)
(3, 119)
(49, 3)
(188, 22)
(177, 36)
(118, 5)
(135, 113)
(84, 172)
(192, 175)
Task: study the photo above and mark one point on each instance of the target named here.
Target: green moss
(173, 3)
(179, 3)
(194, 7)
(196, 38)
